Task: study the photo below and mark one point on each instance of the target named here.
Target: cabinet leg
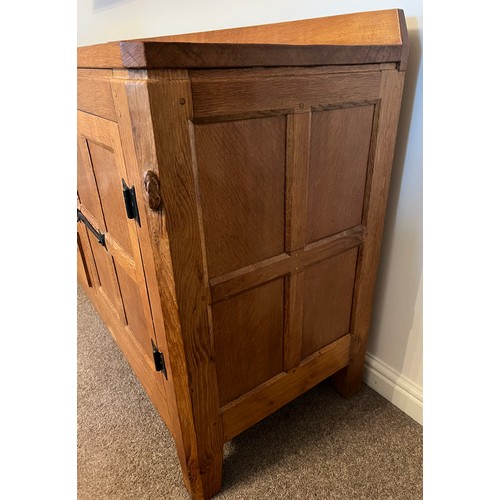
(203, 481)
(347, 381)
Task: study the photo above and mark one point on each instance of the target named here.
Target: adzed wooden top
(362, 38)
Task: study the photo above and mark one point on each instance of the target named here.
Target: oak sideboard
(232, 187)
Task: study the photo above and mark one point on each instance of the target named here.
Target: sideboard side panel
(285, 164)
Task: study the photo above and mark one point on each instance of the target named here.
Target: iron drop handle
(90, 227)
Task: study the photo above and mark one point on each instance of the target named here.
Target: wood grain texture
(106, 166)
(405, 51)
(294, 313)
(248, 337)
(136, 319)
(348, 381)
(297, 179)
(94, 94)
(197, 394)
(82, 266)
(138, 54)
(364, 28)
(87, 189)
(86, 251)
(366, 37)
(281, 71)
(141, 365)
(151, 298)
(273, 394)
(102, 55)
(124, 259)
(151, 186)
(97, 130)
(241, 169)
(328, 291)
(340, 142)
(109, 185)
(109, 288)
(248, 277)
(136, 130)
(120, 263)
(254, 96)
(90, 206)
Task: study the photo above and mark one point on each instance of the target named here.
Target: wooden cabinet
(231, 195)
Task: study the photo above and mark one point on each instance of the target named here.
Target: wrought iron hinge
(159, 360)
(130, 202)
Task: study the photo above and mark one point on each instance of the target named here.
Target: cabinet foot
(347, 381)
(203, 481)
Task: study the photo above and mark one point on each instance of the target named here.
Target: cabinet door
(113, 270)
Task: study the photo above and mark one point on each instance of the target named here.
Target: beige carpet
(319, 446)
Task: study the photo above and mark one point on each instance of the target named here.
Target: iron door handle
(90, 227)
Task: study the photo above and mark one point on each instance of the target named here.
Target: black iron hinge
(159, 360)
(130, 202)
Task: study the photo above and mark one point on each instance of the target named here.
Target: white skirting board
(398, 389)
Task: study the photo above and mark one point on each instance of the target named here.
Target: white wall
(394, 360)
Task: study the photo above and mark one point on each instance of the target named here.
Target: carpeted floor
(319, 446)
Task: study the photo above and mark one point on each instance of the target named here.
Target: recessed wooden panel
(111, 193)
(105, 267)
(87, 189)
(241, 167)
(133, 306)
(340, 142)
(328, 292)
(248, 335)
(82, 266)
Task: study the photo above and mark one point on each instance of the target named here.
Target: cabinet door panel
(119, 270)
(88, 195)
(82, 265)
(135, 317)
(107, 280)
(109, 184)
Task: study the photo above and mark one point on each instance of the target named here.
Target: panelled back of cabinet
(253, 278)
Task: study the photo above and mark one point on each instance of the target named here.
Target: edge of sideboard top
(360, 38)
